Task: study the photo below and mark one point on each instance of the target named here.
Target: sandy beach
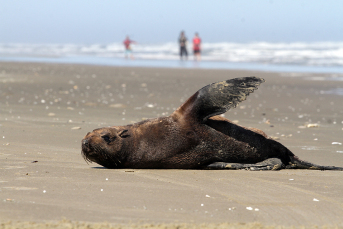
(46, 109)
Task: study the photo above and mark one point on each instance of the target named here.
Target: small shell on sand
(274, 138)
(117, 105)
(150, 105)
(76, 128)
(312, 125)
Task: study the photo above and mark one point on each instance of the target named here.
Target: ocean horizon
(317, 57)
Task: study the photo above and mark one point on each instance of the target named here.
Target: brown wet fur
(186, 139)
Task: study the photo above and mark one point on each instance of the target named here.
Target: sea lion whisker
(114, 158)
(119, 162)
(103, 155)
(85, 158)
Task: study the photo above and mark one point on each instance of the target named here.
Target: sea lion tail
(297, 163)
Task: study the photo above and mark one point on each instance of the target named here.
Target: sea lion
(194, 137)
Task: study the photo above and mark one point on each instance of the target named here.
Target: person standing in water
(128, 50)
(183, 45)
(197, 47)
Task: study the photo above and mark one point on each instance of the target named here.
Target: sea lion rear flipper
(217, 98)
(297, 163)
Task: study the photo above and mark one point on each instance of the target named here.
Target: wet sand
(46, 109)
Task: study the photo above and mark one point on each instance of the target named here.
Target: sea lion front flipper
(268, 164)
(217, 98)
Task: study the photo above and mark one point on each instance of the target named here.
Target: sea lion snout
(85, 142)
(86, 146)
(85, 149)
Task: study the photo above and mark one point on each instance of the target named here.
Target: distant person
(183, 45)
(128, 50)
(197, 47)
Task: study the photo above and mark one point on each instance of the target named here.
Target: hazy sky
(157, 21)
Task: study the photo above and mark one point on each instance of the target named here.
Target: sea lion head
(103, 146)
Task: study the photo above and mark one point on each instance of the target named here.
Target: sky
(159, 21)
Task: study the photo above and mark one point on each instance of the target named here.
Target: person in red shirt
(197, 47)
(128, 50)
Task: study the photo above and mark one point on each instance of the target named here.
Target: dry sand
(46, 109)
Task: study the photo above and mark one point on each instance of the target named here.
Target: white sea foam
(303, 54)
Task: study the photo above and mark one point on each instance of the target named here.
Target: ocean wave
(297, 53)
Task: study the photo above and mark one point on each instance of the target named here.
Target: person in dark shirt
(183, 45)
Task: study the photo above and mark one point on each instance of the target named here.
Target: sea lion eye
(106, 138)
